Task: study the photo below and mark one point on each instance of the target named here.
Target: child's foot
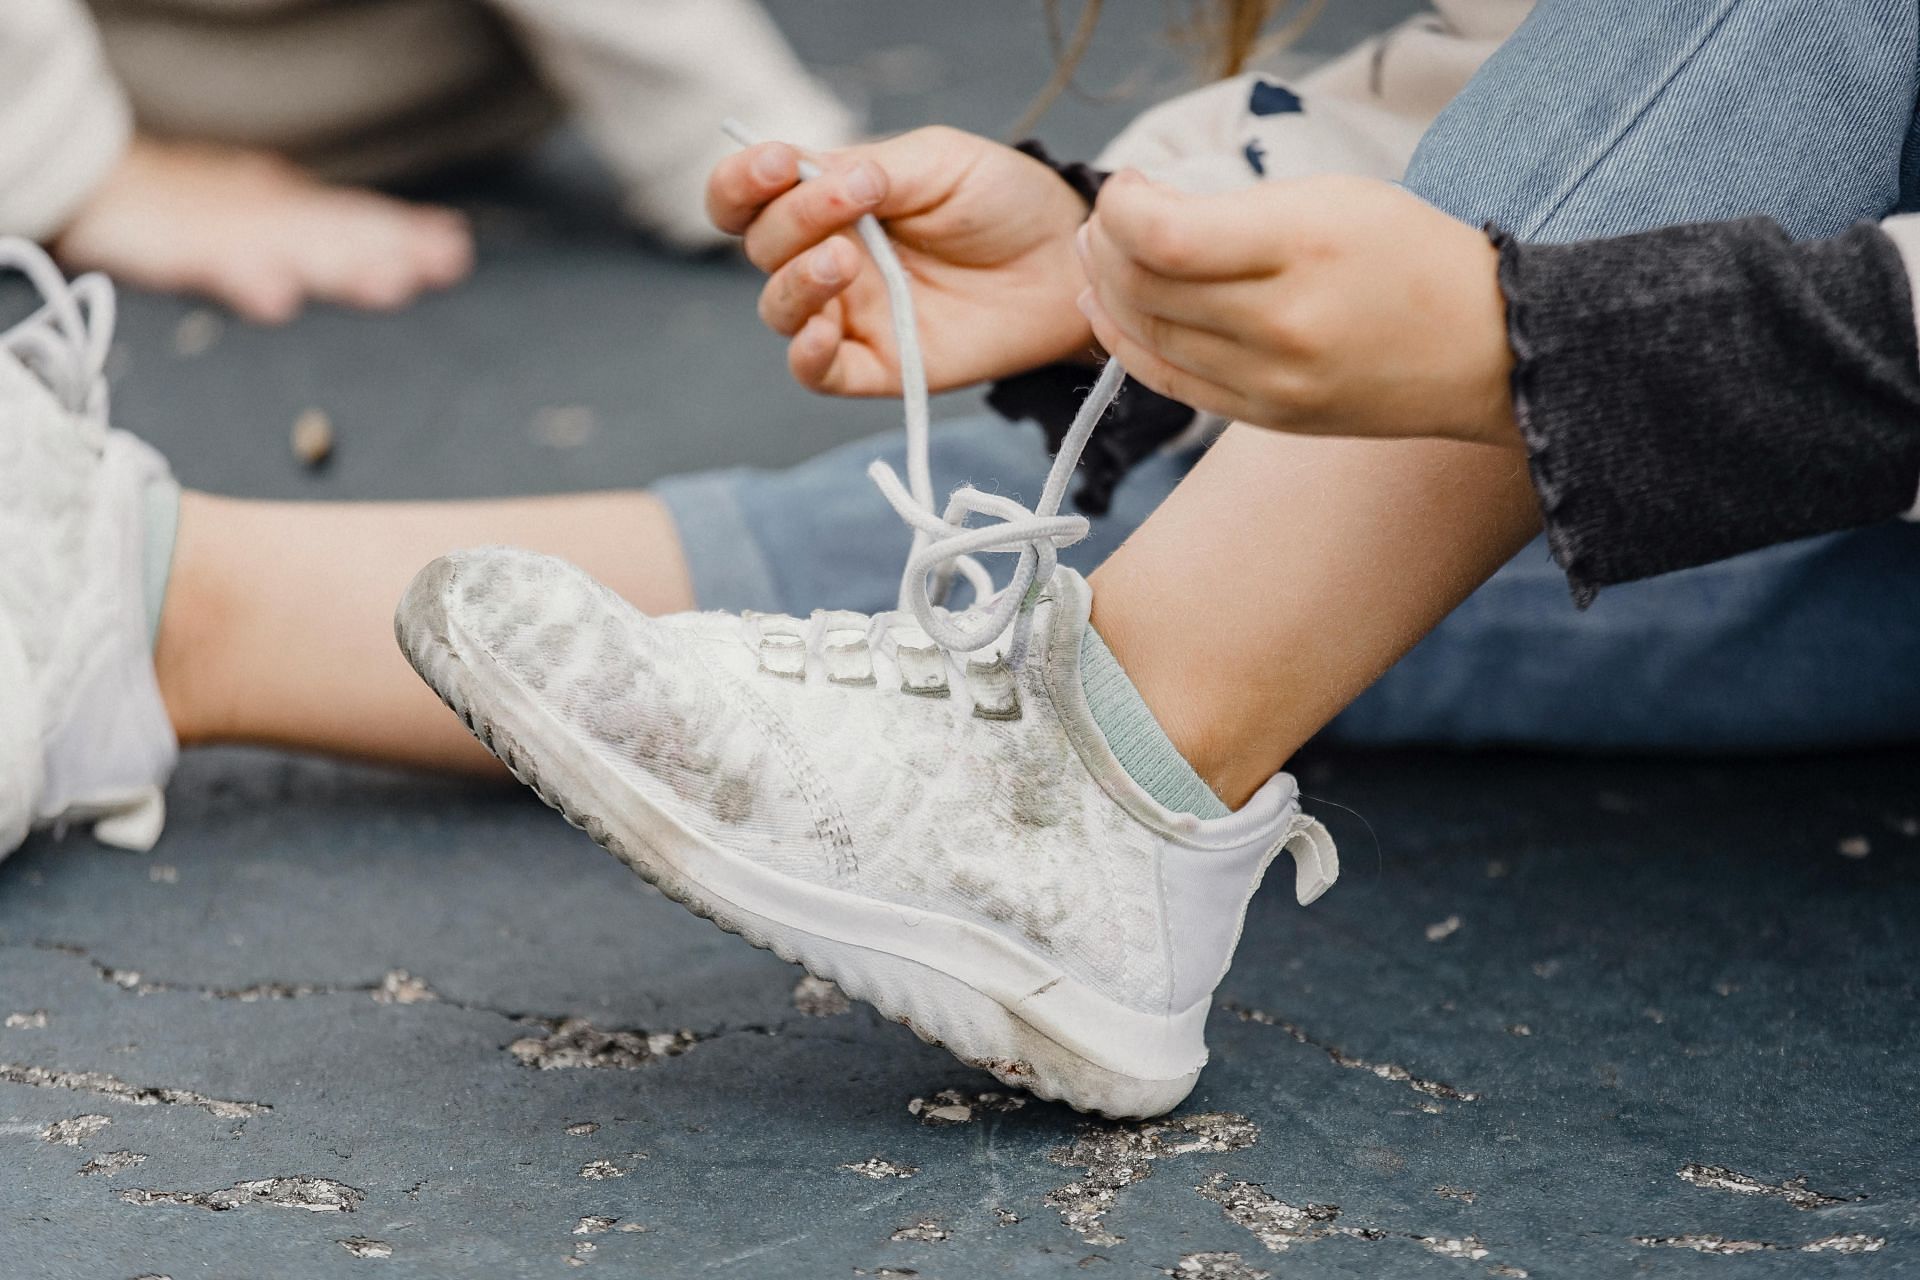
(259, 234)
(85, 523)
(945, 837)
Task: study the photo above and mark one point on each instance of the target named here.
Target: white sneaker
(84, 736)
(944, 836)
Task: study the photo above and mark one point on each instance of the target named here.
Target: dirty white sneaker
(84, 736)
(944, 836)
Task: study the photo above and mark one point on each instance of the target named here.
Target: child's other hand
(985, 235)
(1330, 306)
(259, 234)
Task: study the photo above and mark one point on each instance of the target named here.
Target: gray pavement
(1562, 1017)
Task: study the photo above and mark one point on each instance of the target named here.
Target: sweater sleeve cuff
(1700, 391)
(1904, 231)
(1082, 177)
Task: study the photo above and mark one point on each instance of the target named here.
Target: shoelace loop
(945, 543)
(66, 341)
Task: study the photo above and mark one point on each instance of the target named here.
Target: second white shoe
(84, 735)
(947, 838)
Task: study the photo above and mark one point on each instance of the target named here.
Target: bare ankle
(1206, 718)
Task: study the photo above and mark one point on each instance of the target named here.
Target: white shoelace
(66, 341)
(944, 543)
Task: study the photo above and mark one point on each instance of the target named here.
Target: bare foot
(260, 234)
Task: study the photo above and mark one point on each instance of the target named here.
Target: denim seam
(1608, 146)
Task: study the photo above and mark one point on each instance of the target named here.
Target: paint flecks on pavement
(315, 1195)
(876, 1168)
(103, 1085)
(1116, 1157)
(1385, 1070)
(73, 1132)
(111, 1163)
(574, 1043)
(1794, 1191)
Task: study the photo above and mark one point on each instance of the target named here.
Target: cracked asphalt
(1562, 1017)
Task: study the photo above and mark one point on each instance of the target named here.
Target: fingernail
(1083, 240)
(770, 164)
(1086, 302)
(863, 183)
(825, 265)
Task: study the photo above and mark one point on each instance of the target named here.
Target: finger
(742, 184)
(359, 253)
(1188, 237)
(443, 247)
(1222, 362)
(797, 291)
(1151, 369)
(819, 207)
(1127, 290)
(811, 354)
(264, 292)
(821, 359)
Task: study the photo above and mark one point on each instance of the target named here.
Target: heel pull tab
(1316, 863)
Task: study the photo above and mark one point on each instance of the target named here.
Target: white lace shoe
(84, 736)
(944, 836)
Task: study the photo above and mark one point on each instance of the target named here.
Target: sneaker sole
(1033, 1050)
(20, 759)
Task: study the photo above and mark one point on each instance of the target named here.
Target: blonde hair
(1222, 35)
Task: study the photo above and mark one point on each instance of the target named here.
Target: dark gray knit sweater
(1691, 393)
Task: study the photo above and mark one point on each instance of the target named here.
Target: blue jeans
(1803, 110)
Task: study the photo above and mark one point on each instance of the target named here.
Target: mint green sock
(161, 520)
(1136, 738)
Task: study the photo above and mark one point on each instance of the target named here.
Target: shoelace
(66, 341)
(944, 543)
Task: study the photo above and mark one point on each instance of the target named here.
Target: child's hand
(1332, 306)
(985, 235)
(259, 234)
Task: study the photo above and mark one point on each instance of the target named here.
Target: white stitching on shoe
(829, 824)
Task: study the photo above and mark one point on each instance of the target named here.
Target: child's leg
(278, 622)
(650, 83)
(1287, 572)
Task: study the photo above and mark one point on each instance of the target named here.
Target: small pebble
(313, 438)
(1444, 929)
(1855, 847)
(196, 333)
(565, 426)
